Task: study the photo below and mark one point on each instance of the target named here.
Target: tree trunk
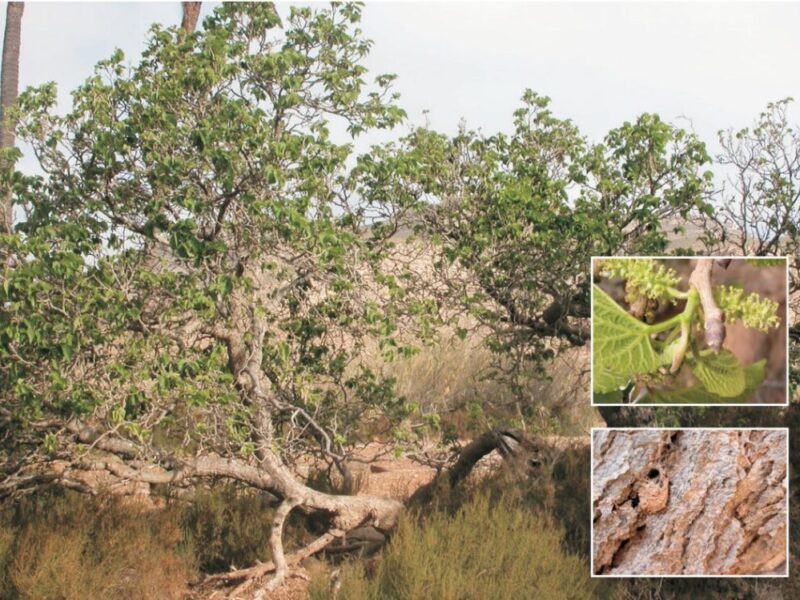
(9, 89)
(689, 502)
(510, 443)
(191, 12)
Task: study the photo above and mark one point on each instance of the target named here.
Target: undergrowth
(481, 552)
(486, 542)
(64, 545)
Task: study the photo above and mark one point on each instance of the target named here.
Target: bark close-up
(689, 502)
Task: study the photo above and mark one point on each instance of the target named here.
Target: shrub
(227, 527)
(489, 548)
(66, 545)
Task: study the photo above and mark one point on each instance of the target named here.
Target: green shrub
(489, 548)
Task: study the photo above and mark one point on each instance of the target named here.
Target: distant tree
(757, 209)
(195, 279)
(9, 89)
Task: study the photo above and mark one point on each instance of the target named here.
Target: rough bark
(9, 89)
(191, 12)
(689, 502)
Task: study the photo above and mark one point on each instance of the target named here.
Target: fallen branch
(250, 575)
(509, 442)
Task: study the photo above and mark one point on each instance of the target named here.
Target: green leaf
(720, 374)
(754, 377)
(605, 380)
(614, 397)
(621, 345)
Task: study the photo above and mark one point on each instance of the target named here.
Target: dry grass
(65, 547)
(452, 378)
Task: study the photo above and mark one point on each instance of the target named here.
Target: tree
(518, 216)
(190, 12)
(195, 279)
(757, 209)
(9, 88)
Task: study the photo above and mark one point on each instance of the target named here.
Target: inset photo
(689, 502)
(689, 331)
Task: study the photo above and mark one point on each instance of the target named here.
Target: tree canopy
(195, 277)
(519, 215)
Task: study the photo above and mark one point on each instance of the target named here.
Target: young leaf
(720, 374)
(621, 344)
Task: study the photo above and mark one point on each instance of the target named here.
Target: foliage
(194, 255)
(629, 351)
(620, 343)
(518, 215)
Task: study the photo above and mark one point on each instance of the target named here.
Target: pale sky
(601, 63)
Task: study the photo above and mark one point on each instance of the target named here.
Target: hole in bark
(635, 500)
(653, 473)
(617, 558)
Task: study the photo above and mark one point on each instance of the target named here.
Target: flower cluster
(752, 310)
(644, 276)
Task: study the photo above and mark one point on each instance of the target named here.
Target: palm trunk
(191, 12)
(9, 89)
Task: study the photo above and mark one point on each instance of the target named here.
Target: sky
(717, 64)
